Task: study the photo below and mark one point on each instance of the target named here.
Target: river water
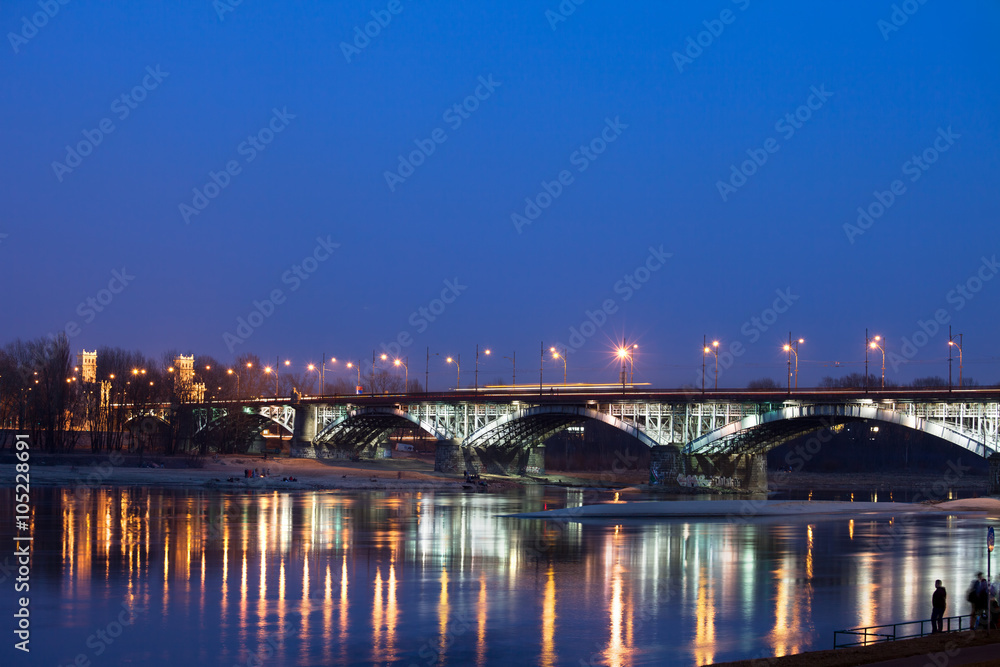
(181, 577)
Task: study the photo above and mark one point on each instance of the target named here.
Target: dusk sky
(653, 171)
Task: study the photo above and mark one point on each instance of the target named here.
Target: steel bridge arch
(207, 421)
(548, 420)
(380, 419)
(768, 430)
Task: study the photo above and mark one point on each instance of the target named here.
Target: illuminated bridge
(721, 434)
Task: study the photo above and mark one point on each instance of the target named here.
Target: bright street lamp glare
(802, 340)
(267, 369)
(287, 362)
(396, 362)
(311, 367)
(384, 357)
(229, 371)
(487, 351)
(872, 345)
(448, 360)
(350, 365)
(715, 343)
(787, 347)
(707, 350)
(552, 349)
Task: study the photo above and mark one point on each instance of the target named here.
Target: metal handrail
(892, 631)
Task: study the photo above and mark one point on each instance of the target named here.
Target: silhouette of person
(939, 602)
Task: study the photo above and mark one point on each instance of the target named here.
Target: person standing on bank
(939, 602)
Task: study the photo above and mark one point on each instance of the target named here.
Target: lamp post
(556, 355)
(458, 375)
(350, 364)
(513, 368)
(710, 350)
(631, 364)
(959, 346)
(704, 353)
(230, 371)
(874, 344)
(406, 369)
(623, 354)
(487, 353)
(793, 348)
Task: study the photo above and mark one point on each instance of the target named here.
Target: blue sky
(677, 118)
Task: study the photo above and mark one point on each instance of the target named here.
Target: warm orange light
(707, 350)
(112, 376)
(715, 343)
(802, 340)
(249, 365)
(350, 365)
(448, 360)
(311, 367)
(229, 371)
(622, 352)
(170, 370)
(872, 345)
(396, 362)
(267, 369)
(287, 362)
(487, 351)
(208, 368)
(333, 360)
(555, 355)
(787, 348)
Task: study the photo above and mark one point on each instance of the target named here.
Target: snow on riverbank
(762, 508)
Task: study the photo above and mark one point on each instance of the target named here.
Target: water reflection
(386, 578)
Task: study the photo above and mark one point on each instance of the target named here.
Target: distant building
(186, 389)
(87, 362)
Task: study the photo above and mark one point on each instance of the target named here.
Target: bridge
(722, 435)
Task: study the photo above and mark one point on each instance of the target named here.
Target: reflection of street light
(406, 381)
(874, 344)
(556, 355)
(458, 375)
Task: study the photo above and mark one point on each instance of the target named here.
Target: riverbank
(229, 473)
(954, 648)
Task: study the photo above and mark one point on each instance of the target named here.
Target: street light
(406, 381)
(230, 371)
(793, 350)
(358, 366)
(458, 376)
(556, 355)
(874, 344)
(623, 354)
(513, 368)
(959, 346)
(312, 367)
(487, 353)
(631, 376)
(709, 350)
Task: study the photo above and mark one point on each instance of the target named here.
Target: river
(181, 577)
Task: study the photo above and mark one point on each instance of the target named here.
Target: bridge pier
(747, 472)
(304, 432)
(449, 457)
(665, 463)
(536, 461)
(993, 488)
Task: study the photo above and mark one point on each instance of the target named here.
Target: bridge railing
(873, 634)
